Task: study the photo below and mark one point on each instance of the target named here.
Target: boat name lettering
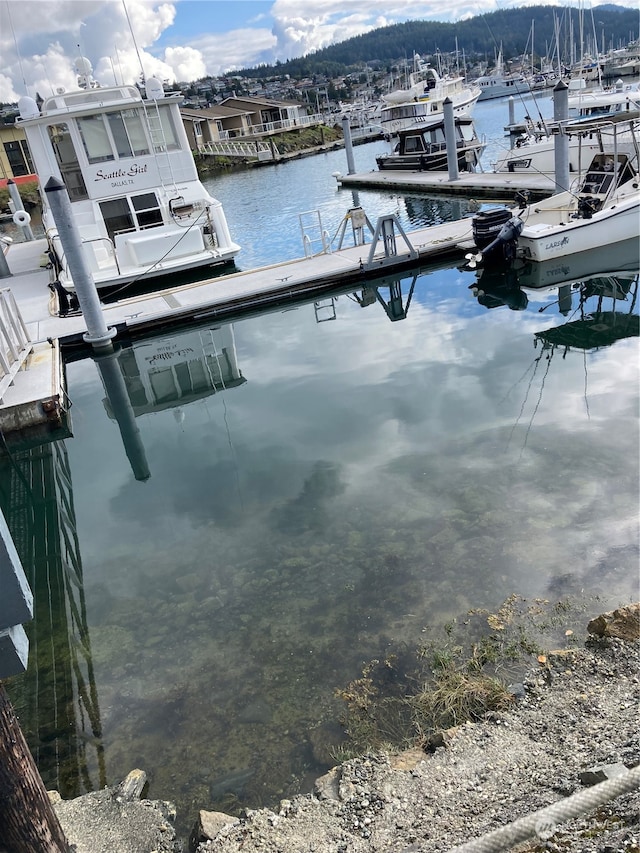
(121, 173)
(163, 356)
(557, 243)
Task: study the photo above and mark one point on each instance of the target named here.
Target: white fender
(21, 217)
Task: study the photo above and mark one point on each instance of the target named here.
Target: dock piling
(20, 215)
(450, 139)
(98, 335)
(561, 141)
(348, 145)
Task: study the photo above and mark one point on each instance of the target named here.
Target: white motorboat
(136, 199)
(420, 103)
(536, 152)
(500, 83)
(598, 122)
(603, 210)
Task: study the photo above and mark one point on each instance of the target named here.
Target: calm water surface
(274, 502)
(263, 206)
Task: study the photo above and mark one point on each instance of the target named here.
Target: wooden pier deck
(493, 186)
(229, 294)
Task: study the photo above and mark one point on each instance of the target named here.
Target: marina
(287, 494)
(319, 458)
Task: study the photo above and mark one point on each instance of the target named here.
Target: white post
(5, 272)
(20, 215)
(348, 145)
(450, 139)
(97, 334)
(561, 141)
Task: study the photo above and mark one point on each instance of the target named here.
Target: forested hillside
(479, 38)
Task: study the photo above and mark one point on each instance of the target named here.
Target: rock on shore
(577, 719)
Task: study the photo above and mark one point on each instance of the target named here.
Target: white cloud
(185, 62)
(39, 39)
(241, 48)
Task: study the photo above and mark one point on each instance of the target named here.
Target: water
(275, 502)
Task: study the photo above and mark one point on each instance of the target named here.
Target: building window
(19, 158)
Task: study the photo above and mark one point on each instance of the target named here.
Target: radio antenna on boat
(135, 43)
(15, 42)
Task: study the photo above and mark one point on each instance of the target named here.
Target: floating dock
(489, 186)
(35, 395)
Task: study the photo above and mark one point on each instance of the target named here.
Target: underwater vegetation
(463, 671)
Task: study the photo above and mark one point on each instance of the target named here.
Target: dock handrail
(15, 343)
(254, 150)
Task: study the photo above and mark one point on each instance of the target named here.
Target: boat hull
(543, 242)
(504, 90)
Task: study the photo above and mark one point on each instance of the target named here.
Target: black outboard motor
(67, 300)
(487, 224)
(503, 248)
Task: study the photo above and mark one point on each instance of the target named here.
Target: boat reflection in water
(586, 274)
(165, 372)
(57, 697)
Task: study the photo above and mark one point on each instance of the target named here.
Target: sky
(185, 40)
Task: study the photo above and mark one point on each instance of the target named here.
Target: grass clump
(403, 699)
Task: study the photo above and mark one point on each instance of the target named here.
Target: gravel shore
(575, 722)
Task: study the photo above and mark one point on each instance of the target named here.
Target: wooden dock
(35, 397)
(489, 186)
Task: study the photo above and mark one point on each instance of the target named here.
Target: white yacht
(136, 199)
(420, 103)
(500, 83)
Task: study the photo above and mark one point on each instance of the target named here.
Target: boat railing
(15, 343)
(110, 251)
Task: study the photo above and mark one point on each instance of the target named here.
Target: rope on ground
(543, 822)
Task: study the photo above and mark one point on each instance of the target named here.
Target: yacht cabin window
(146, 210)
(95, 139)
(168, 140)
(116, 135)
(128, 134)
(129, 214)
(413, 144)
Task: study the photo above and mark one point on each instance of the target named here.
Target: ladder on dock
(15, 343)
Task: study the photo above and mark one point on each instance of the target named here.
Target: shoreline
(575, 720)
